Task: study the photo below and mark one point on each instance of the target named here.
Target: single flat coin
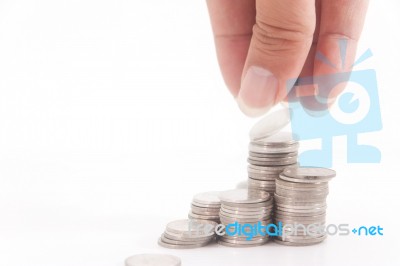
(153, 260)
(206, 205)
(191, 227)
(272, 155)
(227, 244)
(287, 243)
(211, 198)
(287, 161)
(203, 216)
(172, 246)
(310, 173)
(203, 210)
(244, 241)
(189, 238)
(167, 240)
(277, 139)
(244, 196)
(270, 124)
(271, 169)
(254, 147)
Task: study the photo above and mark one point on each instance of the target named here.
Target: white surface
(113, 114)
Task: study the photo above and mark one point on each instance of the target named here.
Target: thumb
(281, 40)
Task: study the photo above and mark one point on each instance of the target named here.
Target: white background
(114, 113)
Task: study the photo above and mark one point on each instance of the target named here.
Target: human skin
(261, 44)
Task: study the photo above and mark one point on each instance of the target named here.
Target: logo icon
(355, 111)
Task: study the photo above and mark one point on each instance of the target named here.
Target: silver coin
(167, 240)
(245, 216)
(240, 205)
(265, 183)
(273, 149)
(300, 211)
(247, 209)
(210, 198)
(301, 188)
(153, 260)
(278, 139)
(244, 241)
(271, 169)
(311, 174)
(302, 239)
(206, 205)
(298, 202)
(203, 217)
(262, 177)
(283, 162)
(227, 221)
(244, 196)
(190, 238)
(257, 212)
(272, 155)
(288, 243)
(204, 210)
(272, 159)
(297, 185)
(172, 246)
(270, 124)
(227, 244)
(190, 227)
(315, 191)
(284, 217)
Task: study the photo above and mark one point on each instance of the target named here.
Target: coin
(272, 155)
(167, 240)
(270, 124)
(203, 217)
(204, 210)
(173, 246)
(244, 196)
(153, 260)
(208, 198)
(300, 198)
(310, 174)
(189, 227)
(188, 238)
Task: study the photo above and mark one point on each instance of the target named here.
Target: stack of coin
(205, 206)
(183, 234)
(300, 205)
(268, 157)
(241, 212)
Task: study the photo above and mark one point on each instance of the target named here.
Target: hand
(262, 44)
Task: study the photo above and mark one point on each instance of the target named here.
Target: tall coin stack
(239, 207)
(268, 157)
(205, 206)
(300, 199)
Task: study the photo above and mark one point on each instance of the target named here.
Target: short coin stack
(268, 157)
(205, 206)
(300, 200)
(183, 234)
(241, 206)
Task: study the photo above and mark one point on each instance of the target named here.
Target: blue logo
(355, 111)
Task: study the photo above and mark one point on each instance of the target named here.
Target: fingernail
(257, 92)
